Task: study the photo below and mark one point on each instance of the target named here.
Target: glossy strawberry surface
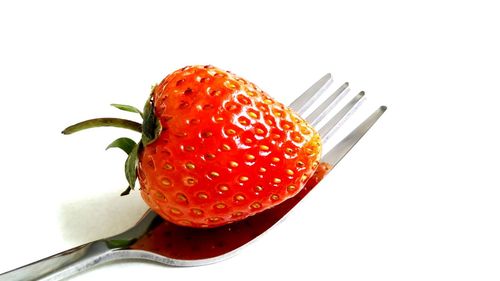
(226, 151)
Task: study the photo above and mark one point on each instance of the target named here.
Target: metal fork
(157, 240)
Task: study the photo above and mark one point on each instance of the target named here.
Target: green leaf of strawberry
(151, 126)
(131, 167)
(125, 144)
(128, 108)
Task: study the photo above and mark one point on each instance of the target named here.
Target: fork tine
(345, 145)
(302, 103)
(326, 131)
(315, 117)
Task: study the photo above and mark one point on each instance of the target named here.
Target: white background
(417, 199)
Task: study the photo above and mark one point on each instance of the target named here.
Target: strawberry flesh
(227, 150)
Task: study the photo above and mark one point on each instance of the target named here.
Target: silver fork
(157, 240)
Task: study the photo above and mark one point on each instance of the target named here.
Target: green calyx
(151, 126)
(150, 129)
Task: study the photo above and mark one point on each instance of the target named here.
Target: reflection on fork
(154, 239)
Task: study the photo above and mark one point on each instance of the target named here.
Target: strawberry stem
(103, 122)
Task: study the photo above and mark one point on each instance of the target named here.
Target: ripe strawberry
(215, 148)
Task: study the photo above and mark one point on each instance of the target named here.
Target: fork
(160, 241)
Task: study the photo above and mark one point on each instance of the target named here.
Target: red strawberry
(216, 149)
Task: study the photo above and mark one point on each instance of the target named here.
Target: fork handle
(64, 264)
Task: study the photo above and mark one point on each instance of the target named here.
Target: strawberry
(215, 148)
